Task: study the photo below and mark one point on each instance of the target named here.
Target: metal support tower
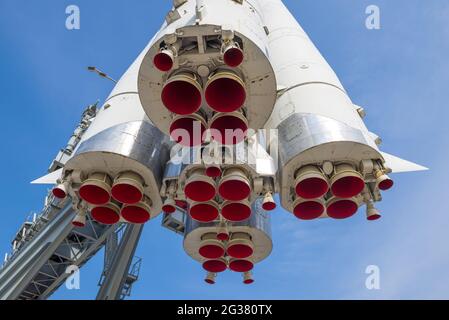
(119, 271)
(46, 248)
(40, 266)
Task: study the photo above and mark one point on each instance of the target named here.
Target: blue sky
(400, 74)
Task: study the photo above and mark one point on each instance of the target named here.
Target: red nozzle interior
(248, 281)
(135, 214)
(78, 224)
(240, 251)
(347, 187)
(168, 208)
(241, 265)
(225, 95)
(94, 194)
(126, 193)
(200, 191)
(214, 266)
(204, 212)
(233, 57)
(211, 251)
(234, 190)
(308, 210)
(342, 209)
(209, 281)
(213, 172)
(59, 193)
(187, 131)
(181, 204)
(181, 97)
(312, 188)
(236, 211)
(163, 62)
(105, 215)
(222, 236)
(374, 217)
(228, 129)
(386, 184)
(269, 206)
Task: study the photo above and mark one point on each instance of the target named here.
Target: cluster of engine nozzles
(110, 199)
(204, 185)
(222, 251)
(336, 196)
(224, 92)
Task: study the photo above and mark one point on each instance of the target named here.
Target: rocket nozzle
(108, 214)
(383, 181)
(236, 211)
(79, 221)
(182, 94)
(213, 171)
(164, 60)
(128, 188)
(223, 233)
(225, 92)
(229, 128)
(241, 265)
(210, 247)
(210, 278)
(308, 209)
(96, 190)
(204, 211)
(346, 182)
(311, 183)
(169, 206)
(188, 130)
(137, 213)
(232, 55)
(234, 185)
(268, 203)
(248, 278)
(60, 191)
(372, 213)
(240, 246)
(215, 265)
(338, 208)
(200, 187)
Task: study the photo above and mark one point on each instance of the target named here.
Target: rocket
(228, 105)
(330, 163)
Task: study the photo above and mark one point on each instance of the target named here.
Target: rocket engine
(246, 243)
(208, 70)
(215, 75)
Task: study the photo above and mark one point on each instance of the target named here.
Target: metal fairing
(137, 146)
(258, 226)
(312, 139)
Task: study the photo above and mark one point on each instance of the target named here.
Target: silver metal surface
(137, 140)
(117, 272)
(258, 226)
(40, 266)
(301, 132)
(135, 146)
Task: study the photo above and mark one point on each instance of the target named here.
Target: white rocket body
(321, 132)
(213, 56)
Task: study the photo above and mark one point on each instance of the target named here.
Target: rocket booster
(330, 164)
